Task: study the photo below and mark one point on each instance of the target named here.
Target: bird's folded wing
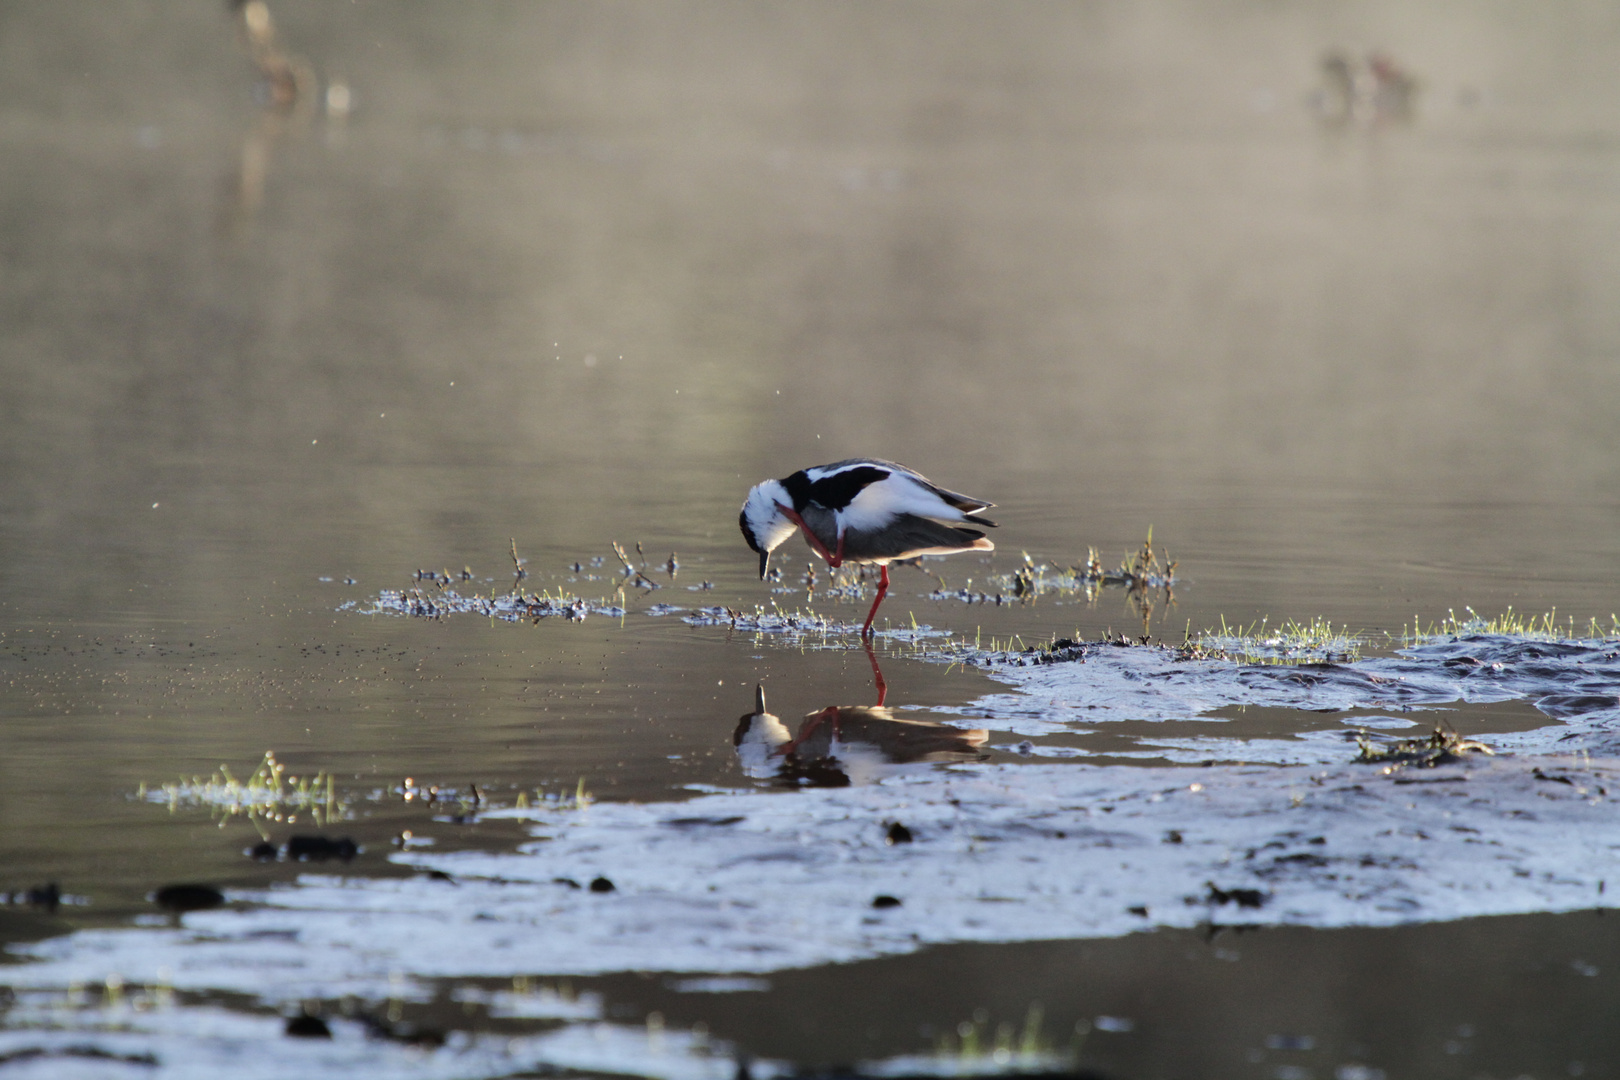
(909, 535)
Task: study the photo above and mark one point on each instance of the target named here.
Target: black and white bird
(864, 511)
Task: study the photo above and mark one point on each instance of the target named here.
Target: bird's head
(762, 521)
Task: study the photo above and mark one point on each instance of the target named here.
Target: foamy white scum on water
(751, 882)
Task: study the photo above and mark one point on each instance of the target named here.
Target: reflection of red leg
(883, 590)
(877, 674)
(808, 728)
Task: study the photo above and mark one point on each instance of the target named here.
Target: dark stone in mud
(183, 898)
(885, 901)
(305, 1026)
(321, 848)
(264, 851)
(47, 896)
(601, 884)
(403, 1032)
(897, 834)
(1173, 836)
(1246, 898)
(1305, 859)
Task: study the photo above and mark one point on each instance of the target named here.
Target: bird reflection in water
(842, 745)
(287, 92)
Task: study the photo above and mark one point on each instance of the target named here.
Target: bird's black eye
(748, 534)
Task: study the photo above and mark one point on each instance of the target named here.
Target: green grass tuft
(1545, 627)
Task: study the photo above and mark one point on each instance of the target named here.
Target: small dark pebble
(402, 1032)
(1139, 909)
(305, 1026)
(885, 901)
(898, 834)
(182, 898)
(48, 897)
(1248, 898)
(264, 851)
(1173, 836)
(440, 875)
(601, 884)
(321, 848)
(568, 881)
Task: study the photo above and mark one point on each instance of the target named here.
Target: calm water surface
(573, 274)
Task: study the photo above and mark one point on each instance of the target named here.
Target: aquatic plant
(1545, 627)
(1442, 747)
(268, 794)
(971, 1048)
(1140, 573)
(637, 576)
(1288, 642)
(580, 800)
(514, 607)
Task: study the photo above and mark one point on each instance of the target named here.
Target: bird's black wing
(839, 490)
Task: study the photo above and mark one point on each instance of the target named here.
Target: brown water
(576, 273)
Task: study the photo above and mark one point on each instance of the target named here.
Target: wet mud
(903, 834)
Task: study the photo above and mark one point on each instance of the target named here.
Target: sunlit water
(567, 276)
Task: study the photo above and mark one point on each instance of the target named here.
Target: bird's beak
(764, 561)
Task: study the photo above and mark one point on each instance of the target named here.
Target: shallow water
(573, 275)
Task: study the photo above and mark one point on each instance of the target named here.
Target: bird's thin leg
(883, 589)
(834, 561)
(877, 673)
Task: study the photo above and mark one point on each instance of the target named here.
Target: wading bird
(863, 511)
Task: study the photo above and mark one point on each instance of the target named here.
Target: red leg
(883, 589)
(834, 561)
(877, 674)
